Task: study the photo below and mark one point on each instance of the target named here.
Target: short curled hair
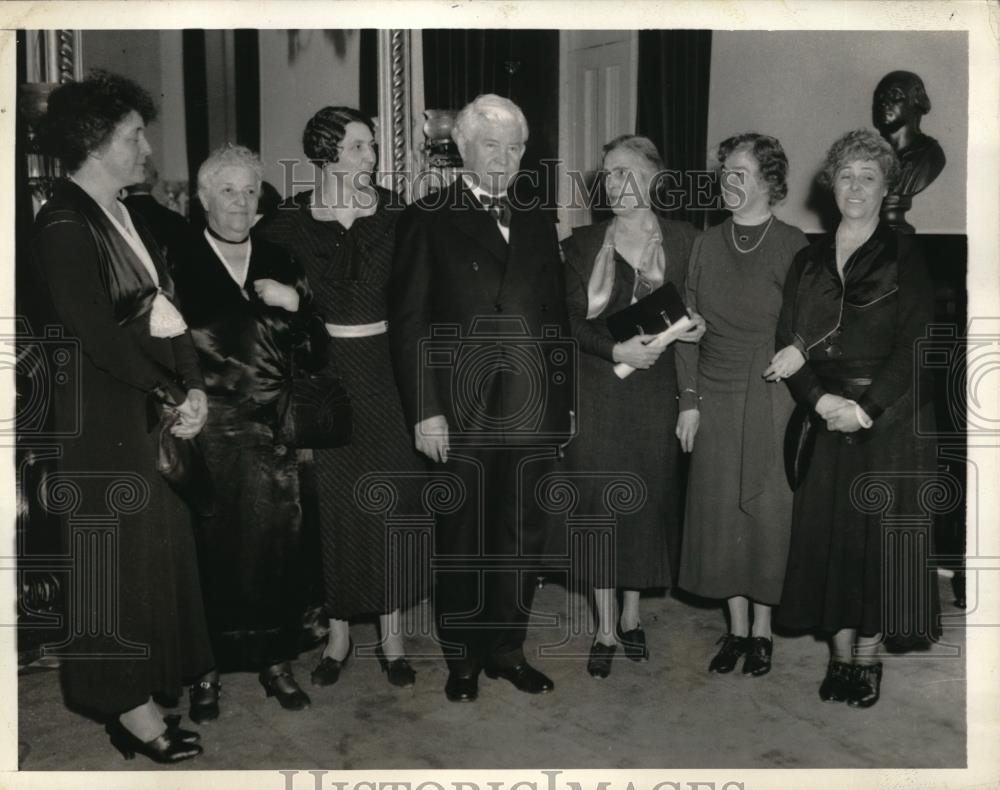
(81, 117)
(325, 131)
(769, 155)
(485, 109)
(228, 155)
(637, 144)
(860, 145)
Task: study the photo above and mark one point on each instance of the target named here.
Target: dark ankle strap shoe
(836, 686)
(867, 684)
(732, 648)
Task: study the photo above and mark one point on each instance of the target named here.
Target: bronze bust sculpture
(899, 102)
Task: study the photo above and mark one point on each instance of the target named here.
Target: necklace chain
(732, 230)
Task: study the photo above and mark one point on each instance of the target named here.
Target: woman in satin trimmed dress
(739, 504)
(626, 426)
(343, 234)
(856, 304)
(251, 316)
(110, 287)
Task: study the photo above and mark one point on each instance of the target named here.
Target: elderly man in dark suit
(478, 331)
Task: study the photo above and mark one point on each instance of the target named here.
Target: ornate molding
(394, 109)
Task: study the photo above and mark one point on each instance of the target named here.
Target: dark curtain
(368, 78)
(522, 65)
(195, 112)
(674, 68)
(247, 66)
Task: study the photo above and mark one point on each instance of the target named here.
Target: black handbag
(649, 316)
(319, 413)
(181, 462)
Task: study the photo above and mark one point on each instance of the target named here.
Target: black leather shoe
(836, 686)
(461, 688)
(278, 682)
(865, 689)
(173, 722)
(732, 648)
(204, 697)
(327, 672)
(758, 660)
(398, 671)
(524, 677)
(164, 748)
(634, 644)
(599, 664)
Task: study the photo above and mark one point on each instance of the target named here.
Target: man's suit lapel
(475, 222)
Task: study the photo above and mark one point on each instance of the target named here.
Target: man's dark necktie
(498, 207)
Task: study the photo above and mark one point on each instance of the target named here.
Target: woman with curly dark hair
(856, 301)
(343, 235)
(738, 503)
(109, 285)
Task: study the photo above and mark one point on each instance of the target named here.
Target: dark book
(651, 315)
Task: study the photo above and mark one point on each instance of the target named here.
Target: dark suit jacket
(865, 326)
(478, 327)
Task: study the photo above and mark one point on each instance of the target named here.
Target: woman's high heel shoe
(167, 747)
(398, 671)
(838, 683)
(327, 672)
(173, 722)
(867, 684)
(204, 699)
(599, 663)
(279, 682)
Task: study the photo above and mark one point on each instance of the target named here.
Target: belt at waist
(848, 387)
(357, 330)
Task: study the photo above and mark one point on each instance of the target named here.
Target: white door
(597, 102)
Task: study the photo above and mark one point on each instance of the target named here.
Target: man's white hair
(485, 110)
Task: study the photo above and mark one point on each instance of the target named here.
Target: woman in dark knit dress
(111, 290)
(626, 426)
(855, 304)
(738, 506)
(251, 316)
(343, 235)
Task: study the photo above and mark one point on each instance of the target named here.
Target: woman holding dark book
(856, 303)
(625, 443)
(738, 507)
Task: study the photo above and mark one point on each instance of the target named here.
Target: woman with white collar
(249, 308)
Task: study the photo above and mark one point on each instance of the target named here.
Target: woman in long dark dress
(249, 308)
(109, 286)
(627, 425)
(855, 303)
(343, 235)
(738, 506)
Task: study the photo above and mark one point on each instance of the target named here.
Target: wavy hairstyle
(325, 131)
(228, 155)
(860, 145)
(769, 155)
(485, 109)
(82, 116)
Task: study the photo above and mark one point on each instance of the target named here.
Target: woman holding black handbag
(343, 233)
(111, 290)
(251, 316)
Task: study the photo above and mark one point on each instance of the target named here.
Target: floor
(668, 712)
